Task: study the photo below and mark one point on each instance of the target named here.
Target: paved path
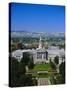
(43, 81)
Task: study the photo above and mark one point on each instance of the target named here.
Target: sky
(37, 17)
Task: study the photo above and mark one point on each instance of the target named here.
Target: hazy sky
(37, 18)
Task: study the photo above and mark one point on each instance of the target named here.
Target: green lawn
(41, 67)
(46, 67)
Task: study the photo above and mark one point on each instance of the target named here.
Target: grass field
(41, 67)
(45, 67)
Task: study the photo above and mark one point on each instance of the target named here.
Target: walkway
(43, 81)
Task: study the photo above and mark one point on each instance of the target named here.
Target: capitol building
(41, 54)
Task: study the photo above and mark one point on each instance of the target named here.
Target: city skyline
(37, 17)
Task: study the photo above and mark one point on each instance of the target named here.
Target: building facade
(40, 54)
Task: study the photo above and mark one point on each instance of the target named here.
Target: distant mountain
(37, 34)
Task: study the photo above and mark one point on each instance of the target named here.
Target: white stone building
(41, 55)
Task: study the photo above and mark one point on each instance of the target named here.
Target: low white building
(41, 55)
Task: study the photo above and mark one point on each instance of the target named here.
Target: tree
(62, 70)
(26, 58)
(46, 55)
(24, 80)
(18, 70)
(21, 68)
(63, 57)
(19, 45)
(31, 63)
(59, 79)
(18, 76)
(50, 60)
(53, 65)
(13, 72)
(56, 60)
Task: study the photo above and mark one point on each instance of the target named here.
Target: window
(39, 55)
